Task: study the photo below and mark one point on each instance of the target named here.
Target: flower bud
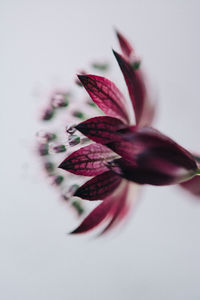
(78, 114)
(74, 140)
(49, 167)
(60, 100)
(48, 114)
(43, 149)
(57, 179)
(45, 137)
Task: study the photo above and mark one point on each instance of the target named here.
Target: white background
(157, 254)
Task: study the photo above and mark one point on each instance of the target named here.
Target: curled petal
(106, 95)
(144, 110)
(151, 157)
(101, 129)
(88, 161)
(99, 187)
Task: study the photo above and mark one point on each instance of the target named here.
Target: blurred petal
(106, 95)
(88, 161)
(139, 174)
(114, 208)
(99, 187)
(101, 129)
(121, 207)
(192, 186)
(126, 47)
(95, 217)
(144, 110)
(151, 157)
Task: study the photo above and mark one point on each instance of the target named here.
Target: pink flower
(123, 153)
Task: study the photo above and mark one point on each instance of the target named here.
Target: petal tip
(77, 193)
(75, 231)
(64, 165)
(61, 165)
(81, 128)
(79, 230)
(82, 77)
(116, 54)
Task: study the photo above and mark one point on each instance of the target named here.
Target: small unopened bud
(57, 179)
(45, 137)
(56, 148)
(70, 129)
(48, 114)
(74, 140)
(73, 188)
(49, 167)
(78, 114)
(77, 205)
(59, 148)
(100, 66)
(65, 195)
(43, 149)
(69, 192)
(60, 100)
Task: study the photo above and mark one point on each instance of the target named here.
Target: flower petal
(192, 186)
(95, 217)
(151, 157)
(99, 187)
(121, 207)
(88, 161)
(101, 129)
(140, 174)
(106, 95)
(114, 208)
(144, 110)
(126, 47)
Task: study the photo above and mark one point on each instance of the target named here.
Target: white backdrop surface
(156, 256)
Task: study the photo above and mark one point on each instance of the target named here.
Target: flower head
(121, 155)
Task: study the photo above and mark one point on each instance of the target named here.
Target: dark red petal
(95, 217)
(144, 110)
(101, 129)
(106, 95)
(126, 47)
(120, 208)
(99, 187)
(137, 141)
(192, 186)
(114, 208)
(140, 174)
(151, 157)
(88, 161)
